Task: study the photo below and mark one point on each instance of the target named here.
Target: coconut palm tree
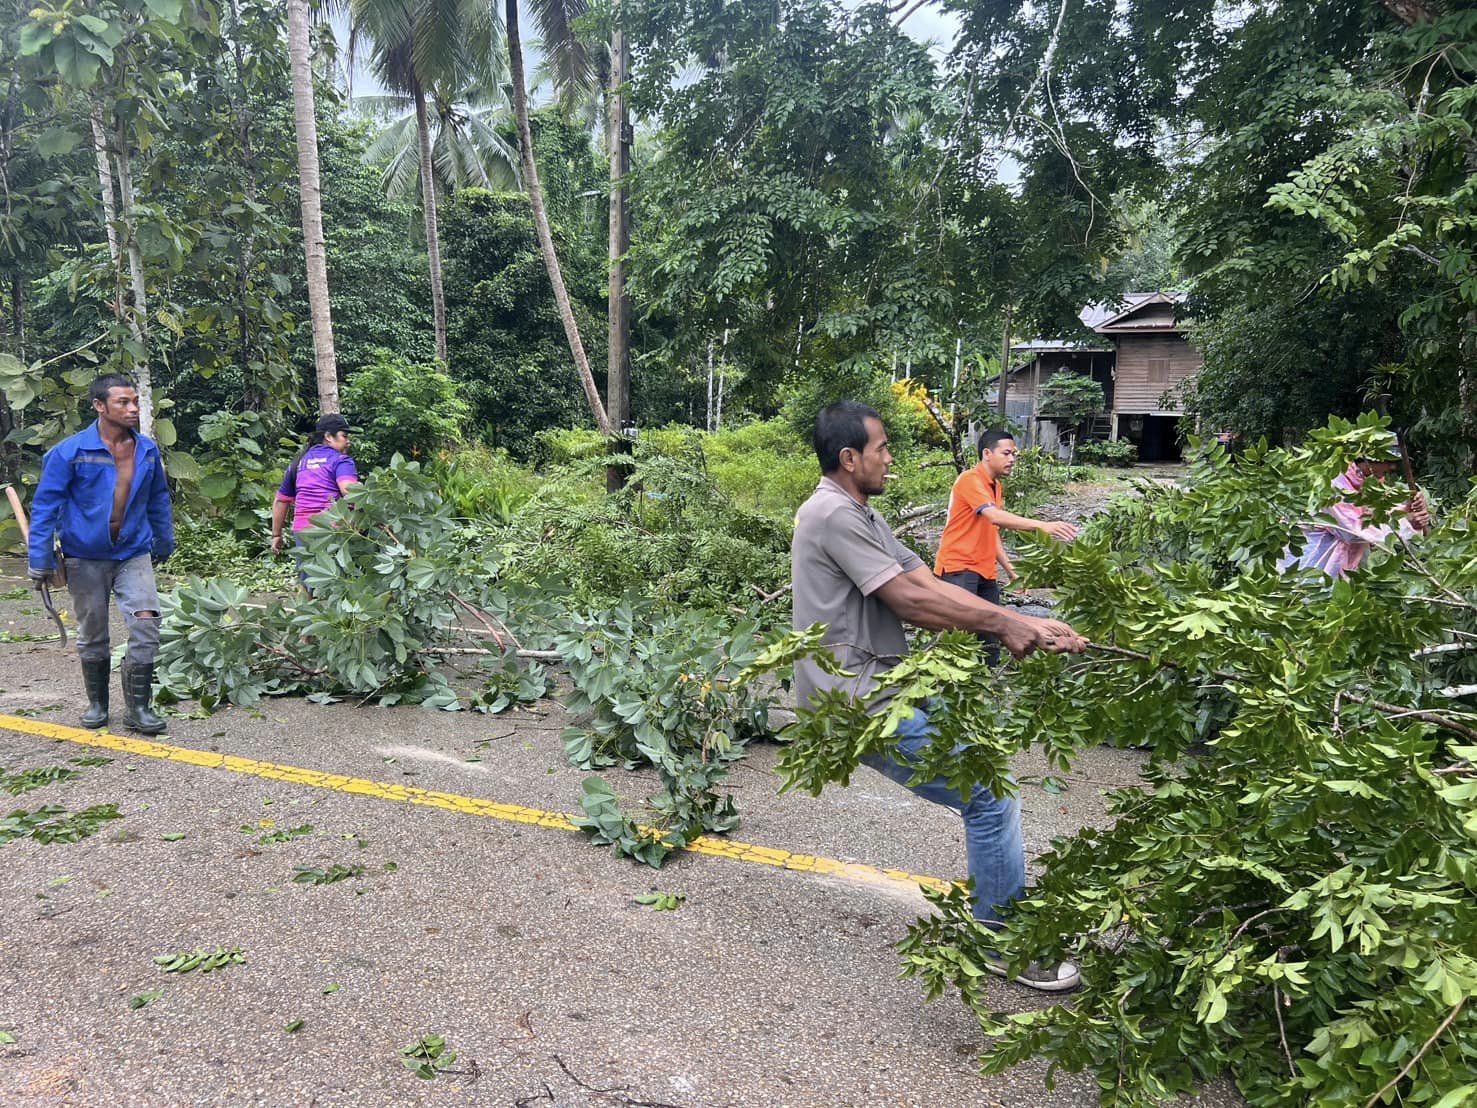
(586, 60)
(420, 46)
(541, 218)
(325, 364)
(467, 146)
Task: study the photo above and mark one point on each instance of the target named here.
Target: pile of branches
(1292, 898)
(410, 606)
(406, 609)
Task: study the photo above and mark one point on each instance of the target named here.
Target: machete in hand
(45, 586)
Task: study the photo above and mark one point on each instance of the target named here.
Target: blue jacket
(75, 496)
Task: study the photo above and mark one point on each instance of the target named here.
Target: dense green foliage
(821, 210)
(1291, 897)
(1315, 161)
(403, 407)
(504, 331)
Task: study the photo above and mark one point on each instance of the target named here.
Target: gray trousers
(92, 584)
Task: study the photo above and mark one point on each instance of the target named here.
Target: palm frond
(390, 141)
(567, 55)
(402, 173)
(382, 109)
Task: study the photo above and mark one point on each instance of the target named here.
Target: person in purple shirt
(315, 479)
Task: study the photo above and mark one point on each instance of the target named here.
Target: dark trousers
(986, 589)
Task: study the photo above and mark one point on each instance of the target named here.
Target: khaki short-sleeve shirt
(842, 553)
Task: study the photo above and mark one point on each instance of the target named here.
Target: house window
(1159, 371)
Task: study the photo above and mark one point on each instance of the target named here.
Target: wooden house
(1140, 356)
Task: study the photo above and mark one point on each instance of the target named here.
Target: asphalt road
(494, 927)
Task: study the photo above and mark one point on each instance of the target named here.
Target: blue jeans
(993, 842)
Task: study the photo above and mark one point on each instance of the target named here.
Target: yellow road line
(451, 802)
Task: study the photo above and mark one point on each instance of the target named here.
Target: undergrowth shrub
(1120, 453)
(402, 407)
(671, 535)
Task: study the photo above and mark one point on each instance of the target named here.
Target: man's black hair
(100, 388)
(838, 426)
(990, 438)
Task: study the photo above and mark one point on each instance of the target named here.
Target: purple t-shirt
(312, 483)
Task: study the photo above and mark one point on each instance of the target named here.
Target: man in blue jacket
(104, 491)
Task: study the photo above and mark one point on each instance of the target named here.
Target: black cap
(331, 424)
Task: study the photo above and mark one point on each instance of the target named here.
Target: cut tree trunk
(311, 193)
(428, 208)
(618, 349)
(541, 222)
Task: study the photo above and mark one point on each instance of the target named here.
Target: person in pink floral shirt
(1340, 545)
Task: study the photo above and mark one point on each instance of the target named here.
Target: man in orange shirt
(970, 554)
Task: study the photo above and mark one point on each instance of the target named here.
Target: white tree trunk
(722, 377)
(541, 221)
(428, 209)
(306, 124)
(139, 320)
(105, 188)
(709, 422)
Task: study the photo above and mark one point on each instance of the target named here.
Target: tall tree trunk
(246, 254)
(1004, 363)
(722, 379)
(311, 193)
(618, 360)
(541, 221)
(105, 189)
(428, 208)
(142, 371)
(110, 218)
(708, 423)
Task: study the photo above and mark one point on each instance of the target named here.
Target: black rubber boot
(95, 681)
(138, 699)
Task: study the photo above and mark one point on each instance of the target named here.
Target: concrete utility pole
(618, 351)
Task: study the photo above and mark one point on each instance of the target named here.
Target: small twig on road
(585, 1084)
(526, 1101)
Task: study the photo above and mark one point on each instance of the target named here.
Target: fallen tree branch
(771, 597)
(283, 654)
(1425, 1047)
(1391, 711)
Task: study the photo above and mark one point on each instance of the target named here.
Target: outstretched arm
(1011, 522)
(919, 598)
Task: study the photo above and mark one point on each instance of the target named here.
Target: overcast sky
(928, 24)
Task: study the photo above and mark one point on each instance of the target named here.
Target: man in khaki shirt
(851, 574)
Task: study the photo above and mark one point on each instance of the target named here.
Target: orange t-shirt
(970, 541)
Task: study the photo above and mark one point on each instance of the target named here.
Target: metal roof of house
(1104, 319)
(1118, 318)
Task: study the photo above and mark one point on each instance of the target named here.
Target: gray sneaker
(1054, 977)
